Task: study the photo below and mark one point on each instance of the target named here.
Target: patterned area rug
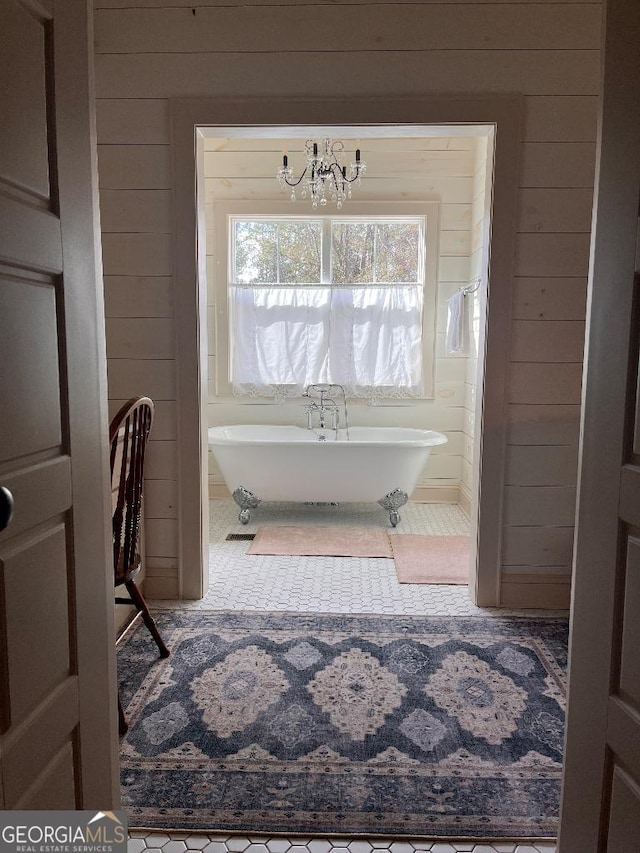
(345, 724)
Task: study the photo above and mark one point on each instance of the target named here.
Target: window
(341, 299)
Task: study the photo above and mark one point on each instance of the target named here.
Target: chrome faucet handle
(309, 413)
(309, 409)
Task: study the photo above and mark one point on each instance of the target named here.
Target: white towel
(457, 338)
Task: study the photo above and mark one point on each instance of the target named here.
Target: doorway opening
(498, 117)
(269, 367)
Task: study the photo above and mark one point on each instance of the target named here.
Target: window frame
(222, 245)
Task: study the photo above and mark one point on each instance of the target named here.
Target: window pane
(300, 252)
(256, 252)
(397, 252)
(375, 252)
(352, 247)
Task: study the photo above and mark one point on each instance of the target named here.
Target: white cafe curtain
(366, 338)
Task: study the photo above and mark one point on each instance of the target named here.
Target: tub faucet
(326, 406)
(329, 406)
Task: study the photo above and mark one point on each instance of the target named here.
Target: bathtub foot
(246, 500)
(392, 503)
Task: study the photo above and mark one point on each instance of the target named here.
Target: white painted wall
(411, 169)
(151, 50)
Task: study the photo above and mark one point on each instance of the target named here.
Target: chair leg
(123, 726)
(140, 603)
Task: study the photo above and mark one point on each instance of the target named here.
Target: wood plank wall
(151, 50)
(440, 168)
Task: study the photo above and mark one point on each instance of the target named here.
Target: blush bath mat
(431, 559)
(322, 542)
(314, 724)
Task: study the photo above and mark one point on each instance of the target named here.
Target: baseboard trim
(435, 494)
(548, 592)
(218, 490)
(465, 500)
(161, 586)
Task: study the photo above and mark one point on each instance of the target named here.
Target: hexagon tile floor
(238, 581)
(325, 585)
(155, 842)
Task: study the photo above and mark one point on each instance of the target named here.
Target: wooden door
(57, 704)
(601, 801)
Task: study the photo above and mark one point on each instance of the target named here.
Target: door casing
(187, 114)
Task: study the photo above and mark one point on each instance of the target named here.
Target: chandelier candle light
(324, 177)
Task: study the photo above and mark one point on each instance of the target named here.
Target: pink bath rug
(322, 542)
(431, 559)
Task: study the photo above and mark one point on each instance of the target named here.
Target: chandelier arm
(335, 180)
(332, 149)
(351, 180)
(343, 177)
(296, 183)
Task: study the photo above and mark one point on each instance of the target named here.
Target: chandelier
(324, 178)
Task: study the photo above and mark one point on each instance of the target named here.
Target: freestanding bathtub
(289, 463)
